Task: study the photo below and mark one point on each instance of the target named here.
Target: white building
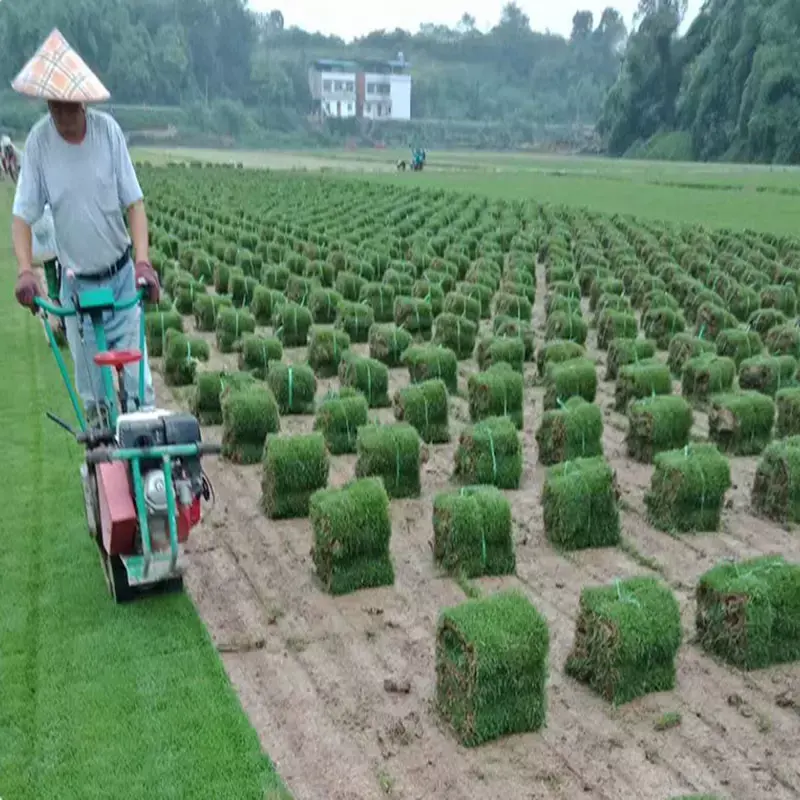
(367, 90)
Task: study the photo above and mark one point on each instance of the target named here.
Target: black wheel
(117, 581)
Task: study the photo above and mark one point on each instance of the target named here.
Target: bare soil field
(340, 689)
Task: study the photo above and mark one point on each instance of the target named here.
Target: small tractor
(143, 481)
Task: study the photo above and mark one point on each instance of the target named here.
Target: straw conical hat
(57, 72)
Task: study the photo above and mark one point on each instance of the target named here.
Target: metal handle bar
(62, 313)
(106, 454)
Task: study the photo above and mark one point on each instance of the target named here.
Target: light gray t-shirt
(88, 186)
(44, 237)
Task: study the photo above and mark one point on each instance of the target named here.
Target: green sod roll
(590, 276)
(432, 361)
(222, 277)
(739, 345)
(387, 343)
(265, 303)
(765, 319)
(659, 299)
(615, 325)
(242, 290)
(611, 302)
(622, 352)
(555, 352)
(645, 379)
(684, 347)
(492, 350)
(706, 375)
(232, 324)
(325, 350)
(661, 324)
(461, 305)
(392, 453)
(294, 467)
(256, 353)
(711, 319)
(431, 293)
(294, 387)
(565, 379)
(776, 489)
(579, 499)
(610, 286)
(456, 333)
(767, 374)
(276, 276)
(206, 309)
(748, 612)
(627, 638)
(516, 329)
(781, 297)
(324, 305)
(741, 424)
(499, 391)
(783, 340)
(352, 530)
(657, 424)
(512, 305)
(368, 376)
(787, 402)
(491, 667)
(207, 397)
(298, 290)
(248, 415)
(571, 327)
(380, 297)
(156, 325)
(687, 489)
(185, 297)
(425, 407)
(414, 315)
(490, 453)
(575, 430)
(473, 533)
(479, 292)
(355, 319)
(181, 357)
(292, 323)
(349, 285)
(560, 304)
(339, 417)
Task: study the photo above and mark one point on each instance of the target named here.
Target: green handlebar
(62, 313)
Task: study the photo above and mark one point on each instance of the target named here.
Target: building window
(326, 86)
(368, 108)
(349, 108)
(370, 88)
(351, 87)
(338, 86)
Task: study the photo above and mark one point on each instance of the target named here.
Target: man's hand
(27, 290)
(147, 278)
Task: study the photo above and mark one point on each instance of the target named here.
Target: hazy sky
(350, 18)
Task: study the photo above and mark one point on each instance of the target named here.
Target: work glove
(147, 278)
(27, 290)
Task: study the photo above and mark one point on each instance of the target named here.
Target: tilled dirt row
(340, 689)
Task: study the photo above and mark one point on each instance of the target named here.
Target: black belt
(108, 274)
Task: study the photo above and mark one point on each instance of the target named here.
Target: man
(76, 160)
(8, 153)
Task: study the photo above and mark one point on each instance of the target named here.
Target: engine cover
(157, 428)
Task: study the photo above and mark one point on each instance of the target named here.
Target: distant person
(76, 160)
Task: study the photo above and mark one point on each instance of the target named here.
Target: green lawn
(96, 701)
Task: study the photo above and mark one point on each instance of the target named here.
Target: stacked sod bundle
(429, 361)
(687, 490)
(787, 402)
(292, 323)
(462, 306)
(156, 325)
(491, 667)
(294, 468)
(496, 392)
(711, 319)
(324, 305)
(739, 345)
(626, 639)
(684, 347)
(248, 415)
(615, 325)
(294, 387)
(352, 530)
(338, 419)
(657, 424)
(579, 499)
(783, 340)
(355, 319)
(368, 376)
(706, 375)
(414, 315)
(512, 305)
(325, 350)
(574, 378)
(489, 453)
(572, 327)
(265, 303)
(206, 398)
(493, 350)
(181, 356)
(206, 309)
(380, 297)
(661, 324)
(472, 534)
(387, 343)
(392, 453)
(741, 424)
(232, 324)
(747, 612)
(622, 352)
(456, 333)
(573, 431)
(636, 381)
(257, 352)
(425, 407)
(767, 374)
(765, 319)
(776, 489)
(556, 352)
(516, 329)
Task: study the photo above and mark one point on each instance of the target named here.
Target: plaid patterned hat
(57, 72)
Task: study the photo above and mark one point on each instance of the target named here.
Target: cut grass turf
(98, 701)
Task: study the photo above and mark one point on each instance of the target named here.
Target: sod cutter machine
(142, 477)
